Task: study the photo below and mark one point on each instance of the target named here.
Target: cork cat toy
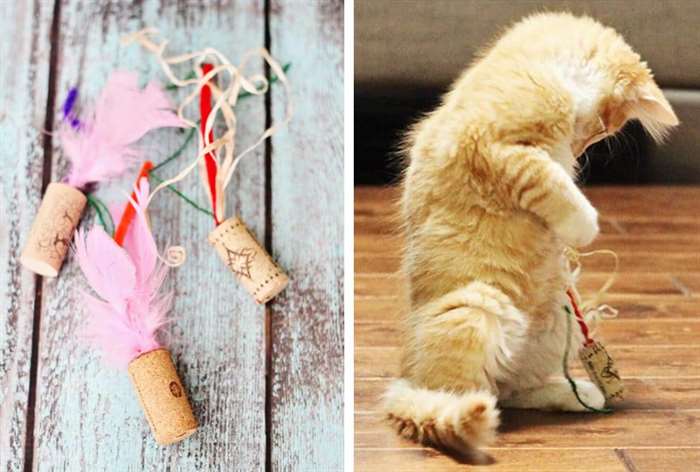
(234, 242)
(99, 149)
(129, 310)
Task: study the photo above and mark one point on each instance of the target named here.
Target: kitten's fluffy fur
(489, 203)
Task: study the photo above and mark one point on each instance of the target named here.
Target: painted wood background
(265, 382)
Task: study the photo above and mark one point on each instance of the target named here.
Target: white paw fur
(589, 394)
(557, 395)
(580, 227)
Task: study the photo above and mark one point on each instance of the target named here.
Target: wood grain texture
(654, 341)
(385, 308)
(665, 262)
(612, 332)
(649, 460)
(307, 222)
(534, 429)
(88, 417)
(24, 75)
(634, 362)
(641, 285)
(655, 393)
(505, 460)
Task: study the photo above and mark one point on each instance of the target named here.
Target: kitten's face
(626, 92)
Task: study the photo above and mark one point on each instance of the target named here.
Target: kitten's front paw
(589, 394)
(580, 227)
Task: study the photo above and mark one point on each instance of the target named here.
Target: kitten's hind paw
(557, 395)
(589, 394)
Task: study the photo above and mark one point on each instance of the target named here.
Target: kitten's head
(626, 91)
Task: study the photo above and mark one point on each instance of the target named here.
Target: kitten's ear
(653, 110)
(654, 105)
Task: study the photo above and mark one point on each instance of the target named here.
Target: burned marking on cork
(175, 389)
(240, 262)
(56, 240)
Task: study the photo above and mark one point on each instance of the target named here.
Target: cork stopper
(162, 397)
(251, 264)
(602, 371)
(52, 231)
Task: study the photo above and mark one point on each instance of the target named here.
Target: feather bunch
(128, 310)
(100, 146)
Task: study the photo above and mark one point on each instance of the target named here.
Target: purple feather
(70, 102)
(101, 147)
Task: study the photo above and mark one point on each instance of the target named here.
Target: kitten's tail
(459, 423)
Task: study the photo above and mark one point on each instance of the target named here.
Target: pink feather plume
(101, 147)
(128, 310)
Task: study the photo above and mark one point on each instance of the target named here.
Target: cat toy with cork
(125, 317)
(233, 241)
(596, 360)
(99, 149)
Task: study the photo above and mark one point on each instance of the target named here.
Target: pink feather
(101, 148)
(126, 317)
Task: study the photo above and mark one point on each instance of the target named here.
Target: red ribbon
(129, 210)
(204, 111)
(579, 318)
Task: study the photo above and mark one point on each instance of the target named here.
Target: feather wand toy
(128, 312)
(99, 149)
(234, 242)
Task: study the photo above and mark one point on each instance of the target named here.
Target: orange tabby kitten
(489, 204)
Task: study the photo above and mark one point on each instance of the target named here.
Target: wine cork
(251, 264)
(162, 396)
(602, 371)
(52, 231)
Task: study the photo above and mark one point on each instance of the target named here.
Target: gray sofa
(408, 51)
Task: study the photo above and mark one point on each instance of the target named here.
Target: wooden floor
(266, 382)
(655, 341)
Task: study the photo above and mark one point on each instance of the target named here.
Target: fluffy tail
(459, 423)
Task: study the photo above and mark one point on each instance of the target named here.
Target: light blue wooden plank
(24, 76)
(307, 232)
(88, 417)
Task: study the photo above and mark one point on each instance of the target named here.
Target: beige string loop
(225, 99)
(593, 310)
(174, 256)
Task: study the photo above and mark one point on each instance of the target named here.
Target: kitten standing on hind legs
(489, 203)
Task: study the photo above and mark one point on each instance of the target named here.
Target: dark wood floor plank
(614, 332)
(665, 393)
(623, 202)
(649, 460)
(643, 284)
(656, 233)
(647, 361)
(24, 77)
(640, 261)
(307, 233)
(382, 243)
(535, 429)
(505, 460)
(385, 308)
(87, 415)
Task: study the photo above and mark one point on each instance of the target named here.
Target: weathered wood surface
(81, 415)
(654, 341)
(307, 230)
(23, 93)
(87, 416)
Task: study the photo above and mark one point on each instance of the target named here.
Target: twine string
(565, 367)
(593, 309)
(226, 99)
(173, 256)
